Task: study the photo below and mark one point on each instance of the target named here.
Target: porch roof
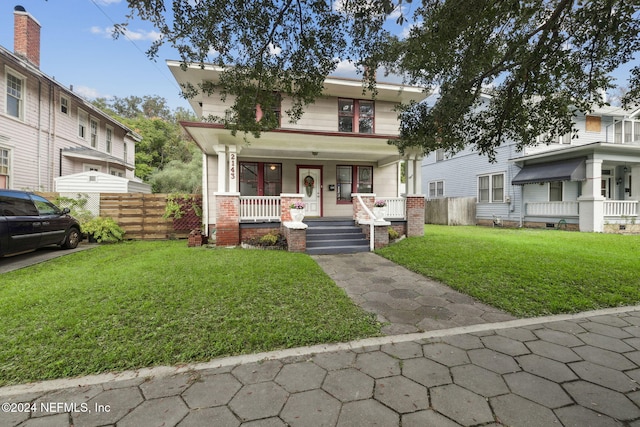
(565, 170)
(296, 144)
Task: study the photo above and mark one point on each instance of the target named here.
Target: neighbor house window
(555, 191)
(4, 168)
(353, 179)
(109, 138)
(260, 179)
(83, 123)
(116, 172)
(125, 154)
(439, 155)
(15, 95)
(94, 133)
(64, 105)
(355, 115)
(491, 188)
(436, 189)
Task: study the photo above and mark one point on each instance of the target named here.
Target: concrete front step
(335, 237)
(333, 250)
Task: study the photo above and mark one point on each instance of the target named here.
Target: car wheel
(72, 239)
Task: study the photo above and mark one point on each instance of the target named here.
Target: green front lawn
(528, 272)
(140, 304)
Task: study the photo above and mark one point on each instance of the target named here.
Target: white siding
(97, 182)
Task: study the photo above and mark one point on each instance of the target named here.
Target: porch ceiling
(294, 144)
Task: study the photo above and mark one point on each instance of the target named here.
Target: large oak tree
(539, 61)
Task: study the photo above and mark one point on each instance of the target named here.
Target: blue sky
(77, 49)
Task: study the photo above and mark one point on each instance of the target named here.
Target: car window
(12, 206)
(44, 206)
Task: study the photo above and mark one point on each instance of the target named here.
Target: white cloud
(274, 50)
(136, 35)
(89, 93)
(346, 68)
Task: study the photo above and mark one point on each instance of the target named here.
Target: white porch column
(221, 151)
(410, 175)
(591, 201)
(417, 173)
(635, 183)
(205, 192)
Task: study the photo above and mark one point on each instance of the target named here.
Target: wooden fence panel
(451, 211)
(139, 215)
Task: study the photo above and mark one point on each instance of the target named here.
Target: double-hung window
(260, 179)
(491, 188)
(353, 179)
(436, 189)
(355, 115)
(83, 124)
(64, 105)
(94, 132)
(16, 86)
(109, 138)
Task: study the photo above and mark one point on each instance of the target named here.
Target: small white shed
(98, 182)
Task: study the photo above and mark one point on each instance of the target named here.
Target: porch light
(619, 181)
(625, 169)
(272, 167)
(315, 153)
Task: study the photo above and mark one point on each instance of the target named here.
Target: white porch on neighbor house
(607, 182)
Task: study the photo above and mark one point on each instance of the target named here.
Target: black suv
(29, 221)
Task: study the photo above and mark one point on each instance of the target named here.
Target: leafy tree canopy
(163, 139)
(538, 60)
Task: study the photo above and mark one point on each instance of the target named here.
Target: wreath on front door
(309, 182)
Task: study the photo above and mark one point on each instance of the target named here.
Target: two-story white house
(588, 181)
(337, 150)
(46, 130)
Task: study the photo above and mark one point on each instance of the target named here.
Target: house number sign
(232, 166)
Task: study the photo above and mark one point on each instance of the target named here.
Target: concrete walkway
(407, 302)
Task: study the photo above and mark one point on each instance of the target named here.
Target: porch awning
(565, 170)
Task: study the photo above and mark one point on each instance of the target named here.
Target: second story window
(83, 123)
(64, 105)
(94, 133)
(355, 115)
(109, 139)
(15, 96)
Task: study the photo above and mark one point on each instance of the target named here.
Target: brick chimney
(26, 36)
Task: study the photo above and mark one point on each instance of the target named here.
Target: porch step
(335, 237)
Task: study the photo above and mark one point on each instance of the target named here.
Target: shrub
(103, 230)
(269, 239)
(393, 234)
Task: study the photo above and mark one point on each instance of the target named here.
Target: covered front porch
(240, 218)
(593, 188)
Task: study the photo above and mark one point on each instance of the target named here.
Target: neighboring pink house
(47, 130)
(336, 159)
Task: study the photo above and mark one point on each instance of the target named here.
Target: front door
(309, 184)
